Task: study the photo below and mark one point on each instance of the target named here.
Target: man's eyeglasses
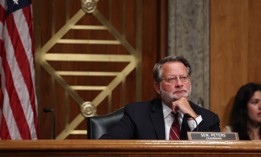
(175, 79)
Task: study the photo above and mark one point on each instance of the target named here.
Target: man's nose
(178, 83)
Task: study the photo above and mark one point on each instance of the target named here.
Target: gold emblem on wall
(89, 6)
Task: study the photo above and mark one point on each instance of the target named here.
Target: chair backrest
(99, 125)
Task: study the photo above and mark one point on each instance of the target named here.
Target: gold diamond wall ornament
(125, 58)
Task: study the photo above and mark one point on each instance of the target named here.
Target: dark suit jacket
(144, 120)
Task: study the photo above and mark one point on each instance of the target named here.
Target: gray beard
(168, 99)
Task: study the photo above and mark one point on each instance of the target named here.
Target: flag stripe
(11, 89)
(2, 15)
(26, 33)
(10, 104)
(19, 106)
(28, 12)
(26, 65)
(4, 132)
(10, 130)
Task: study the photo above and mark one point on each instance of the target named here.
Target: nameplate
(212, 136)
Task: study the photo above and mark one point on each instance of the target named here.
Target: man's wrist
(194, 122)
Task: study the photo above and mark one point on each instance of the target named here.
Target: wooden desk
(80, 148)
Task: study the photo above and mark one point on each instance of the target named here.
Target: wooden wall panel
(153, 33)
(234, 51)
(254, 65)
(52, 15)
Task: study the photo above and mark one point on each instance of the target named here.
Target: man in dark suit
(153, 119)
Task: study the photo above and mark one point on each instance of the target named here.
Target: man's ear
(157, 87)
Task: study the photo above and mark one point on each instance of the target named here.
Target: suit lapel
(157, 119)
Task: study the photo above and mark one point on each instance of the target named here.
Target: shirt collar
(166, 110)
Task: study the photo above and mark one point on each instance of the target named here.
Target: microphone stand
(47, 110)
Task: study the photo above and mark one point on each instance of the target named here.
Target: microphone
(186, 115)
(47, 110)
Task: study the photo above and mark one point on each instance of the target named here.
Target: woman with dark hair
(245, 117)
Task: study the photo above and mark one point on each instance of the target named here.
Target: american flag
(18, 102)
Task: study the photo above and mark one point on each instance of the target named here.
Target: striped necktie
(174, 133)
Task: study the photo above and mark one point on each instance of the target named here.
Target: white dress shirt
(168, 119)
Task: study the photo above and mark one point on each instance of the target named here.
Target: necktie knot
(175, 115)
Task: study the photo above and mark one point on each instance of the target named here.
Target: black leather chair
(99, 125)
